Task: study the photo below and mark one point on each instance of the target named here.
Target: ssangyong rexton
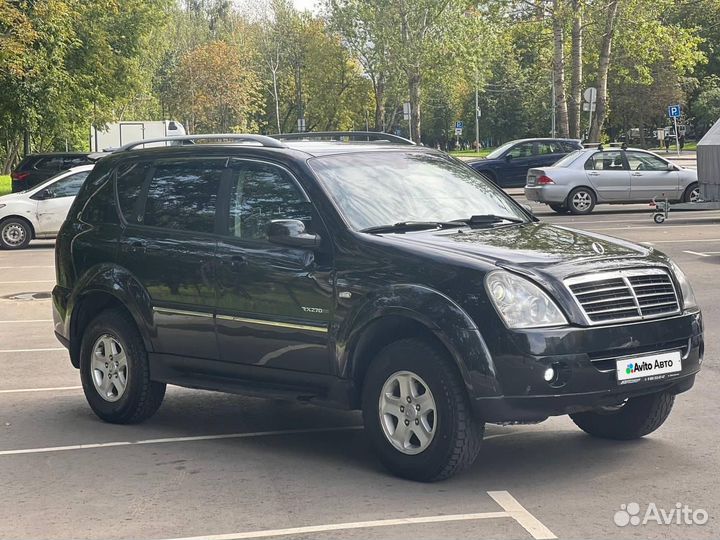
(379, 276)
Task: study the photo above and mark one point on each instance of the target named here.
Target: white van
(39, 211)
(115, 135)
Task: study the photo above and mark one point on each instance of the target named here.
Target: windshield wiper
(488, 219)
(403, 226)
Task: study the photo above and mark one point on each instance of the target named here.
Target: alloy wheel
(109, 368)
(581, 200)
(408, 413)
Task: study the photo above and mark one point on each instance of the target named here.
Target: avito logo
(647, 366)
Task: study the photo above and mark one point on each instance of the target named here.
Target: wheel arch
(445, 325)
(108, 288)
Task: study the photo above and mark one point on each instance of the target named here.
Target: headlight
(685, 288)
(521, 303)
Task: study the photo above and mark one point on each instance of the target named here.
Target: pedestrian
(667, 142)
(681, 140)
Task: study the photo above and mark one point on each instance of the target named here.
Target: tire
(581, 201)
(456, 436)
(659, 218)
(692, 192)
(634, 419)
(115, 338)
(15, 233)
(559, 208)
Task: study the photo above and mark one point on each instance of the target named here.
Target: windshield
(372, 189)
(500, 150)
(567, 160)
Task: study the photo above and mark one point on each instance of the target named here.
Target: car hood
(11, 197)
(538, 249)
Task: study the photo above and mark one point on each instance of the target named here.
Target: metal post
(677, 140)
(477, 122)
(554, 105)
(590, 108)
(410, 123)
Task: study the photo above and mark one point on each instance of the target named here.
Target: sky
(305, 4)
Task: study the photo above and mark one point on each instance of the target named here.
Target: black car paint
(509, 172)
(426, 281)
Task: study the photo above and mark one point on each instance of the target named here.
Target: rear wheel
(15, 233)
(631, 419)
(114, 370)
(417, 412)
(692, 193)
(581, 201)
(559, 208)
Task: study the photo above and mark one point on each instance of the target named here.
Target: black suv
(35, 168)
(372, 275)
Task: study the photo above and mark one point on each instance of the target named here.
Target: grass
(471, 153)
(5, 185)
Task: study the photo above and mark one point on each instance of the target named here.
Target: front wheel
(15, 233)
(581, 201)
(114, 370)
(632, 419)
(692, 193)
(417, 412)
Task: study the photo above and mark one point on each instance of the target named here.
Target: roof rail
(190, 139)
(366, 136)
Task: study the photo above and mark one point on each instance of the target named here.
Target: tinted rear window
(130, 180)
(183, 196)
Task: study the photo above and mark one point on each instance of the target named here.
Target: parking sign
(674, 111)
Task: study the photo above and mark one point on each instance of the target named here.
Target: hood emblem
(597, 248)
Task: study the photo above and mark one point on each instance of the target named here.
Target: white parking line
(696, 253)
(682, 241)
(26, 321)
(512, 509)
(51, 389)
(27, 281)
(14, 267)
(174, 440)
(49, 349)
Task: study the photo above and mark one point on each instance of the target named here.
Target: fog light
(549, 374)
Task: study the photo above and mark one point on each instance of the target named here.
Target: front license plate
(648, 368)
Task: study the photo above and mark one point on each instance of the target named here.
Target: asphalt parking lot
(223, 466)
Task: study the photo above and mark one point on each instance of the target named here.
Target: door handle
(135, 247)
(636, 174)
(238, 260)
(593, 173)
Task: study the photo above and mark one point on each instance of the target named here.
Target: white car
(40, 211)
(593, 176)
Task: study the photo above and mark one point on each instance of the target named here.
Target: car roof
(54, 154)
(544, 139)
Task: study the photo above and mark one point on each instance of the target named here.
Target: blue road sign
(674, 111)
(459, 125)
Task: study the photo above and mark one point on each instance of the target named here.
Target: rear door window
(546, 147)
(69, 162)
(48, 163)
(606, 161)
(182, 195)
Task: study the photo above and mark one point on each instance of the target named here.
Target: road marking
(634, 228)
(26, 321)
(518, 512)
(696, 253)
(174, 440)
(52, 389)
(27, 281)
(681, 241)
(512, 509)
(32, 350)
(14, 267)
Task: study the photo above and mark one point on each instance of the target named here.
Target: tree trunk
(603, 68)
(414, 89)
(575, 98)
(379, 88)
(559, 70)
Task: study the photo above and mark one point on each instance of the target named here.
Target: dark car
(508, 164)
(36, 168)
(379, 276)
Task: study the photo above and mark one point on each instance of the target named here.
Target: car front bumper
(550, 194)
(586, 358)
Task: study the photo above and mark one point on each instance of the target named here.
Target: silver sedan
(593, 176)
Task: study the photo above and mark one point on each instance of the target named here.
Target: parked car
(380, 276)
(508, 164)
(614, 176)
(39, 212)
(36, 168)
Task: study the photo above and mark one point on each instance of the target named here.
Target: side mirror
(671, 167)
(291, 232)
(508, 157)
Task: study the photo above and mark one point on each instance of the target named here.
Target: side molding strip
(276, 324)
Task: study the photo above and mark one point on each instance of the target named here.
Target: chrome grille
(625, 295)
